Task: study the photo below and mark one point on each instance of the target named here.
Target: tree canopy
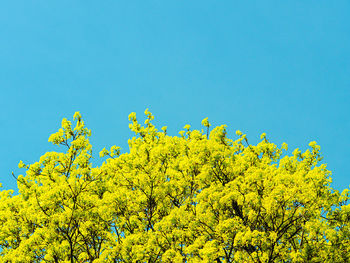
(197, 197)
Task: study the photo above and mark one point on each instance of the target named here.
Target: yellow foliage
(200, 197)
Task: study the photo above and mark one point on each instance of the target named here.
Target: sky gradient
(280, 67)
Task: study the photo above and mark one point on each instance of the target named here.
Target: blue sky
(280, 67)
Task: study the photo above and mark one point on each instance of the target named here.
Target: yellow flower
(21, 164)
(77, 116)
(206, 123)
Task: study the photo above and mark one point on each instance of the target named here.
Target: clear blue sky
(280, 67)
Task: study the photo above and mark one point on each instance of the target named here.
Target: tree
(197, 197)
